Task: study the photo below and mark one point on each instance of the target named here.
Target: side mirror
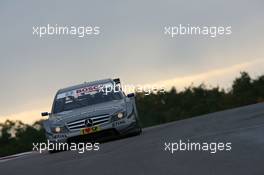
(130, 95)
(44, 114)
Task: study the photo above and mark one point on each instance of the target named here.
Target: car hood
(88, 111)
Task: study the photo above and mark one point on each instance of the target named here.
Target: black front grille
(100, 136)
(96, 120)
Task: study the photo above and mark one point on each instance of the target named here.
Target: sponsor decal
(84, 91)
(87, 90)
(119, 123)
(90, 130)
(59, 136)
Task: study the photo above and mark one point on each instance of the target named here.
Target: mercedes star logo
(88, 122)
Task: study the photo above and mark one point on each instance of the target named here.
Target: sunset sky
(131, 45)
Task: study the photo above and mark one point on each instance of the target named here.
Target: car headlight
(120, 115)
(57, 129)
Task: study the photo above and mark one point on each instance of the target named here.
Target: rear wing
(117, 81)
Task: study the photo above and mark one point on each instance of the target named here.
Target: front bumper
(118, 127)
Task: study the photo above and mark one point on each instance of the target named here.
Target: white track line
(15, 156)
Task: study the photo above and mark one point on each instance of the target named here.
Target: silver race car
(91, 110)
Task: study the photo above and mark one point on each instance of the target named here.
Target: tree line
(153, 109)
(193, 101)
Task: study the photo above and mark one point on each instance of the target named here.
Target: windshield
(83, 97)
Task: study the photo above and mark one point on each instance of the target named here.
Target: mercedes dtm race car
(91, 110)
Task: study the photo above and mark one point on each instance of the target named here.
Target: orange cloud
(28, 117)
(212, 76)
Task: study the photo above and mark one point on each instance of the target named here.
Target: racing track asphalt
(145, 154)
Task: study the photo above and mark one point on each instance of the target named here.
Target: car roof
(85, 84)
